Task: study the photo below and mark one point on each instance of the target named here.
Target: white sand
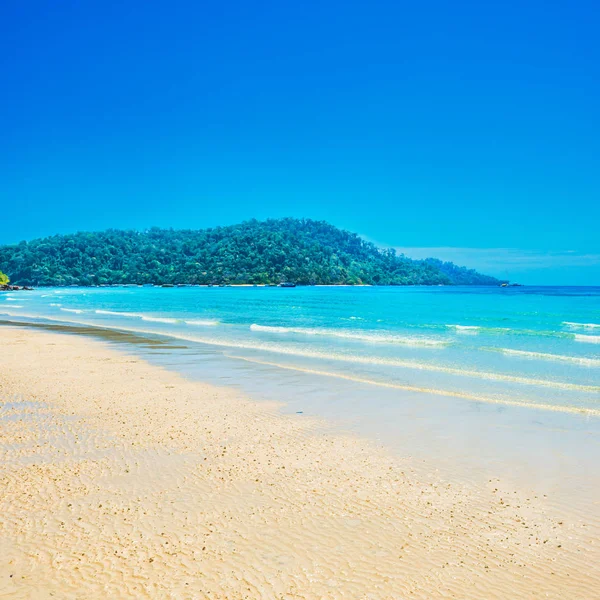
(123, 480)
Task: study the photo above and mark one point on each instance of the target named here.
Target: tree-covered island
(301, 251)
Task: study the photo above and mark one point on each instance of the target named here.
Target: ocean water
(475, 382)
(535, 347)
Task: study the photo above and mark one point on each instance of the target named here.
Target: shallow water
(535, 346)
(478, 381)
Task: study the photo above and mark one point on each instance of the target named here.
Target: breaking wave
(350, 358)
(572, 325)
(581, 360)
(465, 328)
(150, 318)
(366, 336)
(589, 339)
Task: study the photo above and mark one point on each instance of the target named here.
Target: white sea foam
(311, 353)
(201, 322)
(273, 329)
(133, 315)
(12, 306)
(158, 319)
(142, 316)
(465, 328)
(359, 359)
(55, 304)
(589, 339)
(365, 336)
(151, 318)
(376, 360)
(73, 310)
(572, 325)
(441, 392)
(117, 314)
(581, 360)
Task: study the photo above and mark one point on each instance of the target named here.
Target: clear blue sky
(466, 129)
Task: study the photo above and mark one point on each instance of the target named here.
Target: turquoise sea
(530, 346)
(457, 372)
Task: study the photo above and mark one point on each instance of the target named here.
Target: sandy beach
(120, 479)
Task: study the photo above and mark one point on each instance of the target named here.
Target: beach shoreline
(124, 479)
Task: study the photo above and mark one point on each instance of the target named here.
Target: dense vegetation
(294, 250)
(462, 275)
(3, 278)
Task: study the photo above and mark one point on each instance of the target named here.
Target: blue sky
(467, 129)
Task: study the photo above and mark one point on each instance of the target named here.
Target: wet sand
(120, 479)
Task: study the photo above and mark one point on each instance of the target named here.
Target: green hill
(462, 275)
(296, 250)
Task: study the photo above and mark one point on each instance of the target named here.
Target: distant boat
(167, 285)
(287, 284)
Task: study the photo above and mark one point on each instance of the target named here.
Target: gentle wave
(77, 311)
(589, 339)
(145, 317)
(439, 392)
(55, 304)
(467, 328)
(581, 360)
(509, 331)
(117, 314)
(581, 325)
(141, 316)
(370, 360)
(372, 336)
(12, 306)
(159, 319)
(36, 318)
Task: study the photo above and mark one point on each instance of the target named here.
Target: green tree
(3, 278)
(296, 250)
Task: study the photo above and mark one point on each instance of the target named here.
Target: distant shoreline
(250, 285)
